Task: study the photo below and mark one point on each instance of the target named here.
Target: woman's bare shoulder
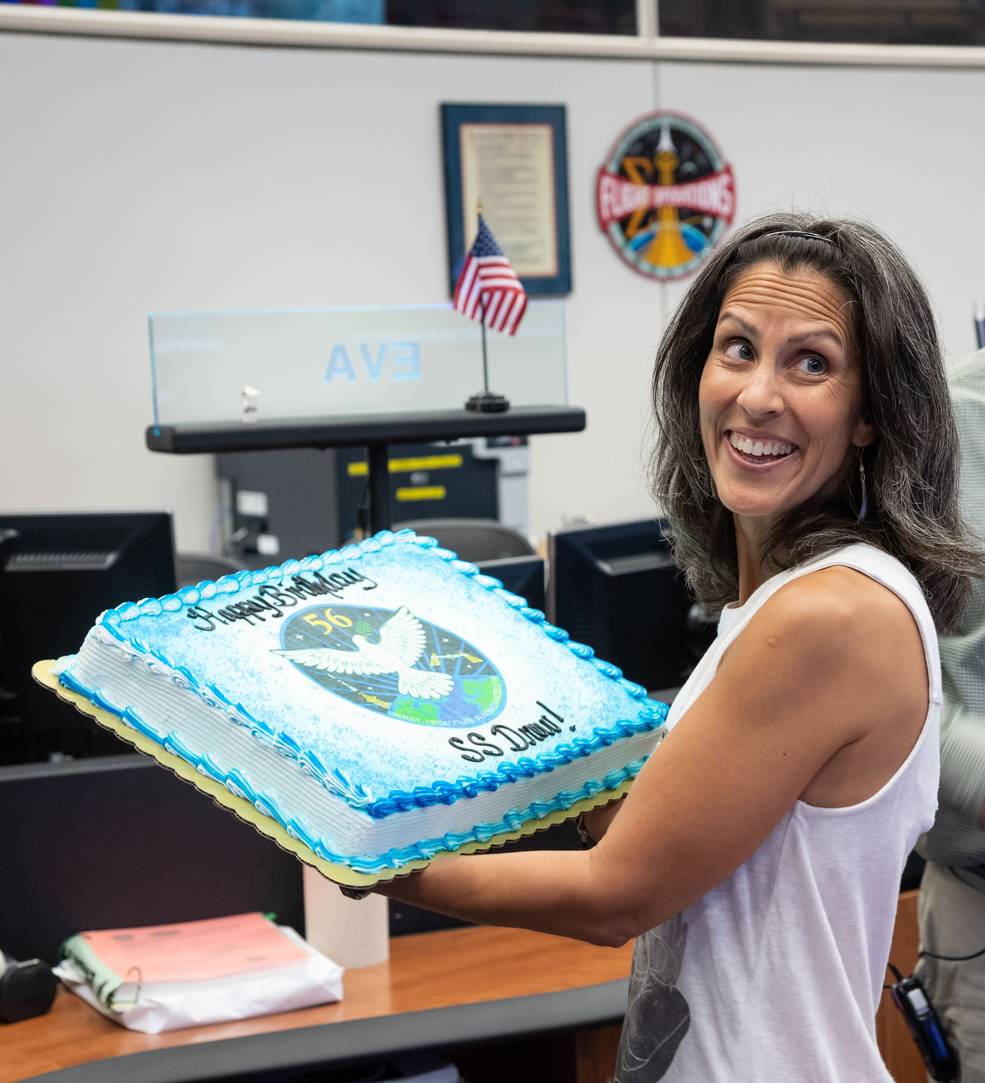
(838, 631)
(840, 597)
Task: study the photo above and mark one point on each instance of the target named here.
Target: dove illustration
(401, 644)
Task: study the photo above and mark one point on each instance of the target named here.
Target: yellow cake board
(43, 673)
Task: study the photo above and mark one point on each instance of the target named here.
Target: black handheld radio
(911, 998)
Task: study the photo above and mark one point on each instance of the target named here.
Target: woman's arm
(815, 671)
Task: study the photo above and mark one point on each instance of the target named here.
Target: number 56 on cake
(370, 709)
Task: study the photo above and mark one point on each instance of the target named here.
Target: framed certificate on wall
(512, 160)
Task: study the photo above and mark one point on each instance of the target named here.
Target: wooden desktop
(558, 1001)
(499, 1002)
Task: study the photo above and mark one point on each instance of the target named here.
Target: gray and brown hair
(911, 467)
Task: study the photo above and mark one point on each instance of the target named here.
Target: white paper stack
(164, 977)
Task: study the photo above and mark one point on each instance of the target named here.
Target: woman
(807, 463)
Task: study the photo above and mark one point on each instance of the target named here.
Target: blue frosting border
(651, 715)
(396, 857)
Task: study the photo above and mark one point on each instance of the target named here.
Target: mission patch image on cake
(373, 707)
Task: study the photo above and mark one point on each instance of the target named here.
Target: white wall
(895, 146)
(141, 176)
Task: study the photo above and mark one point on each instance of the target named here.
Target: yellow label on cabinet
(421, 492)
(405, 466)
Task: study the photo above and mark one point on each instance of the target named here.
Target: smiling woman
(807, 463)
(836, 313)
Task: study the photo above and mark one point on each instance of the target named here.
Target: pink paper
(195, 950)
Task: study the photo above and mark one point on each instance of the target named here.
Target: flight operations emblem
(665, 195)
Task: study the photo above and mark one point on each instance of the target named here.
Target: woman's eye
(739, 351)
(814, 365)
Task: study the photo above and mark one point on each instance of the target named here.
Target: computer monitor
(519, 575)
(617, 589)
(57, 574)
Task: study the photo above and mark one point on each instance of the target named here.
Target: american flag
(488, 288)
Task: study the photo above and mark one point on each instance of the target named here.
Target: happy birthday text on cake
(271, 600)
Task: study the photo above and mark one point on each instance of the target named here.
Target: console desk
(500, 1003)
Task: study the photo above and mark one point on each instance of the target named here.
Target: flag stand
(486, 401)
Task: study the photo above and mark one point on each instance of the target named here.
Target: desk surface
(425, 995)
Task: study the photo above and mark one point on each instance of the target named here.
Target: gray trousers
(952, 922)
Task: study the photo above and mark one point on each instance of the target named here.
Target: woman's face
(781, 393)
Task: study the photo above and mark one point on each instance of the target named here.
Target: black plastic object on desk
(27, 989)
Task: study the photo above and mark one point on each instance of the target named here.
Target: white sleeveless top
(776, 974)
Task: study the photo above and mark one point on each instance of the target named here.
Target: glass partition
(248, 366)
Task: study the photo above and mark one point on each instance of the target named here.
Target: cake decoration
(373, 658)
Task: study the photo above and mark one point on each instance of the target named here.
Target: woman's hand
(596, 821)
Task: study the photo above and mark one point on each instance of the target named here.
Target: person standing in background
(952, 895)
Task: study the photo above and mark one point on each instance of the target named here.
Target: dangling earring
(865, 496)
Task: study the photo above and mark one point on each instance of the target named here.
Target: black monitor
(519, 575)
(57, 574)
(617, 589)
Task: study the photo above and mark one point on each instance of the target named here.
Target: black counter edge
(361, 429)
(339, 1043)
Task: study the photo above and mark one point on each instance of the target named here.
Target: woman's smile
(759, 451)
